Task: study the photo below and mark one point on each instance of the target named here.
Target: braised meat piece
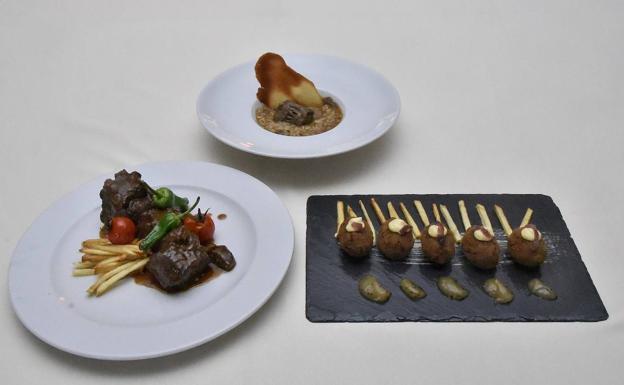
(294, 113)
(118, 194)
(136, 207)
(148, 219)
(180, 261)
(222, 257)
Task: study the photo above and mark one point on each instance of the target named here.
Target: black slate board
(332, 277)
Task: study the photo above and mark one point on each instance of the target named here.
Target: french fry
(436, 213)
(133, 266)
(464, 215)
(99, 241)
(118, 249)
(95, 258)
(340, 217)
(84, 265)
(82, 272)
(378, 212)
(502, 219)
(102, 269)
(527, 217)
(102, 278)
(116, 258)
(410, 220)
(352, 213)
(391, 211)
(451, 223)
(94, 251)
(422, 213)
(485, 220)
(368, 220)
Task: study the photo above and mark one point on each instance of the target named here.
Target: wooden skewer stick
(485, 220)
(340, 217)
(436, 213)
(422, 213)
(410, 220)
(377, 209)
(502, 219)
(464, 215)
(527, 217)
(451, 223)
(368, 220)
(352, 213)
(391, 211)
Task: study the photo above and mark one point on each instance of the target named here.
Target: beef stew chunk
(222, 257)
(118, 196)
(180, 261)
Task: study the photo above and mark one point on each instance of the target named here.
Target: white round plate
(226, 108)
(133, 321)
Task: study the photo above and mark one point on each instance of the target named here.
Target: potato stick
(451, 223)
(116, 248)
(339, 215)
(391, 211)
(106, 276)
(377, 209)
(502, 219)
(421, 211)
(464, 215)
(485, 220)
(436, 213)
(83, 272)
(352, 213)
(527, 217)
(84, 265)
(99, 241)
(119, 249)
(106, 268)
(134, 266)
(94, 258)
(109, 260)
(410, 220)
(93, 251)
(368, 220)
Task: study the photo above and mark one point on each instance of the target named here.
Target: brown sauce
(221, 216)
(146, 278)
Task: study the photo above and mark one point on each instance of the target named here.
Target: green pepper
(165, 198)
(167, 223)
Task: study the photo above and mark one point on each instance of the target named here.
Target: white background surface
(497, 97)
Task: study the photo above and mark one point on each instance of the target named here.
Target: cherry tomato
(191, 224)
(122, 231)
(206, 233)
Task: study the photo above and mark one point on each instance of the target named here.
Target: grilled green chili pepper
(167, 223)
(164, 198)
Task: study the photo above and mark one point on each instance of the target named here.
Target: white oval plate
(133, 321)
(226, 108)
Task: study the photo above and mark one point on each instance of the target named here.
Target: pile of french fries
(111, 263)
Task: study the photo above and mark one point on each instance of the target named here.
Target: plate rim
(155, 352)
(255, 151)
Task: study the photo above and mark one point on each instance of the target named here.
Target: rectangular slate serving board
(332, 277)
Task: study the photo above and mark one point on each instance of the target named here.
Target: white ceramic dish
(226, 108)
(134, 321)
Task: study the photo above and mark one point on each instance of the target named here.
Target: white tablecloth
(497, 96)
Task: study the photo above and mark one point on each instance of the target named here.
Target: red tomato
(191, 224)
(122, 231)
(206, 233)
